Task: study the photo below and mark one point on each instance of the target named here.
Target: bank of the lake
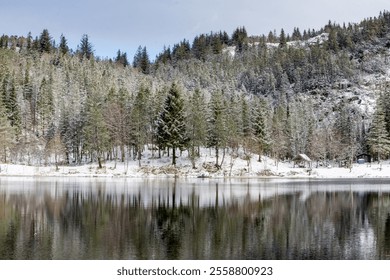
(205, 168)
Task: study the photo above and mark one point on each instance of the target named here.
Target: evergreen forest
(324, 93)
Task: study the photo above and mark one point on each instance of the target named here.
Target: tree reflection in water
(169, 219)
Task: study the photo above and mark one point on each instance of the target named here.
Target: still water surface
(194, 219)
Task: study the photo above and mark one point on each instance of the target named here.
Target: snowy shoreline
(237, 168)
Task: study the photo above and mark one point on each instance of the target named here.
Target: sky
(127, 24)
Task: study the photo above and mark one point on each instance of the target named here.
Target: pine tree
(29, 41)
(199, 47)
(385, 96)
(137, 57)
(12, 107)
(217, 132)
(139, 121)
(378, 138)
(121, 59)
(64, 49)
(259, 128)
(141, 60)
(145, 62)
(117, 120)
(156, 106)
(245, 118)
(196, 124)
(240, 39)
(171, 124)
(280, 131)
(7, 133)
(35, 45)
(332, 43)
(181, 51)
(45, 104)
(345, 134)
(29, 117)
(85, 49)
(95, 130)
(282, 39)
(45, 44)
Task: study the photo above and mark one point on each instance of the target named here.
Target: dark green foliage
(45, 105)
(217, 130)
(259, 127)
(139, 127)
(296, 35)
(205, 45)
(45, 42)
(141, 60)
(121, 59)
(282, 39)
(196, 124)
(63, 48)
(165, 56)
(171, 124)
(85, 49)
(240, 39)
(95, 130)
(200, 49)
(29, 41)
(181, 51)
(9, 101)
(379, 138)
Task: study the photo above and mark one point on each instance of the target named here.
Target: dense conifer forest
(322, 92)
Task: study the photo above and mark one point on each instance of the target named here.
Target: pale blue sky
(126, 24)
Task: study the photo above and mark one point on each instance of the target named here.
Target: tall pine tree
(196, 124)
(171, 124)
(378, 138)
(217, 133)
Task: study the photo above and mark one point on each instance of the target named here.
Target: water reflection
(194, 219)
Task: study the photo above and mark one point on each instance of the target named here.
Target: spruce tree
(282, 39)
(85, 49)
(64, 49)
(145, 62)
(240, 39)
(196, 124)
(7, 134)
(141, 60)
(29, 41)
(139, 121)
(45, 104)
(217, 132)
(171, 124)
(45, 44)
(137, 57)
(121, 59)
(378, 138)
(259, 128)
(12, 108)
(95, 130)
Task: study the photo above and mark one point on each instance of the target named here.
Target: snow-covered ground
(231, 167)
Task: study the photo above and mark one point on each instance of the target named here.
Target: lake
(83, 218)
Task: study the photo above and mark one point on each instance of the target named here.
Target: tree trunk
(139, 155)
(223, 156)
(173, 156)
(122, 148)
(192, 156)
(100, 162)
(216, 156)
